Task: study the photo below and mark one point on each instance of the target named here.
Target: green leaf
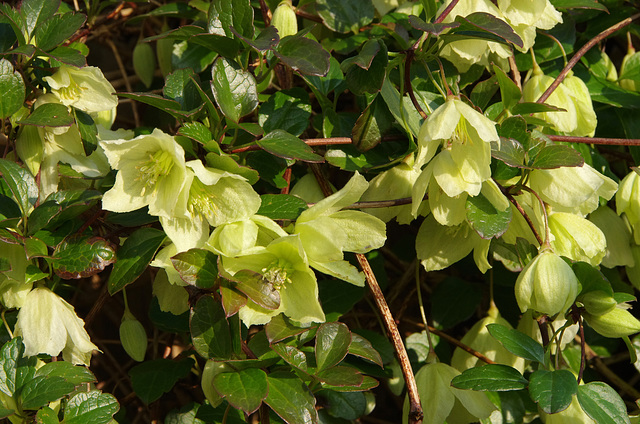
(16, 20)
(257, 289)
(435, 29)
(144, 63)
(485, 219)
(484, 25)
(266, 40)
(509, 151)
(369, 80)
(197, 267)
(365, 57)
(349, 406)
(372, 125)
(361, 347)
(41, 390)
(196, 131)
(181, 87)
(55, 30)
(81, 256)
(345, 16)
(288, 110)
(133, 257)
(281, 206)
(602, 403)
(448, 308)
(226, 163)
(332, 344)
(280, 328)
(491, 377)
(91, 408)
(528, 107)
(49, 115)
(88, 131)
(517, 343)
(293, 356)
(210, 329)
(225, 14)
(167, 105)
(303, 55)
(401, 108)
(72, 373)
(271, 169)
(368, 383)
(46, 415)
(579, 4)
(291, 399)
(60, 207)
(340, 376)
(10, 355)
(556, 156)
(282, 144)
(232, 299)
(552, 390)
(244, 389)
(67, 55)
(509, 91)
(12, 89)
(330, 82)
(233, 88)
(151, 379)
(21, 183)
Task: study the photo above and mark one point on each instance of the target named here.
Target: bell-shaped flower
(326, 232)
(585, 115)
(442, 402)
(577, 238)
(618, 237)
(284, 19)
(547, 285)
(618, 322)
(13, 288)
(83, 88)
(209, 197)
(151, 171)
(244, 237)
(308, 189)
(628, 201)
(527, 16)
(284, 268)
(48, 324)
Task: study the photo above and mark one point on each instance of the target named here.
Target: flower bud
(586, 116)
(133, 337)
(628, 84)
(30, 148)
(598, 302)
(628, 201)
(618, 322)
(576, 238)
(284, 19)
(547, 285)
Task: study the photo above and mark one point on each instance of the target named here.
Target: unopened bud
(285, 20)
(598, 302)
(616, 323)
(133, 337)
(29, 148)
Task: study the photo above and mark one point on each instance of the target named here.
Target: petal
(439, 246)
(171, 298)
(483, 126)
(440, 125)
(342, 270)
(300, 298)
(447, 210)
(322, 239)
(420, 188)
(186, 233)
(346, 196)
(363, 232)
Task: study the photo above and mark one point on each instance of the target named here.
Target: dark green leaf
(144, 62)
(401, 108)
(60, 207)
(367, 384)
(552, 390)
(55, 30)
(485, 25)
(21, 183)
(181, 87)
(602, 403)
(88, 131)
(196, 131)
(341, 375)
(166, 105)
(35, 247)
(91, 408)
(591, 279)
(16, 20)
(485, 219)
(579, 4)
(226, 163)
(10, 355)
(134, 256)
(448, 308)
(280, 328)
(257, 289)
(345, 16)
(435, 29)
(509, 91)
(556, 156)
(217, 415)
(291, 399)
(151, 379)
(282, 144)
(604, 91)
(361, 347)
(271, 169)
(526, 108)
(66, 55)
(197, 267)
(12, 87)
(483, 92)
(46, 415)
(233, 88)
(293, 356)
(210, 329)
(332, 344)
(281, 206)
(509, 151)
(517, 343)
(349, 406)
(36, 12)
(266, 40)
(333, 80)
(232, 299)
(82, 256)
(41, 390)
(369, 80)
(175, 10)
(49, 115)
(372, 125)
(288, 110)
(245, 389)
(303, 55)
(225, 14)
(72, 373)
(365, 57)
(491, 377)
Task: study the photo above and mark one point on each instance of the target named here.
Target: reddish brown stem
(407, 81)
(461, 345)
(446, 12)
(308, 141)
(596, 140)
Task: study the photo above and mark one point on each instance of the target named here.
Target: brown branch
(446, 12)
(514, 72)
(461, 345)
(596, 140)
(266, 13)
(380, 203)
(522, 212)
(407, 80)
(583, 50)
(123, 71)
(308, 16)
(309, 141)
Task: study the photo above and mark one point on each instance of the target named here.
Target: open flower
(151, 171)
(83, 88)
(48, 324)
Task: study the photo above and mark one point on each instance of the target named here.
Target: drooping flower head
(83, 88)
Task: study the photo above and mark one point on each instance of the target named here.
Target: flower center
(277, 273)
(460, 134)
(158, 166)
(202, 200)
(71, 92)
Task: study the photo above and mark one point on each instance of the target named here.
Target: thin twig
(446, 12)
(583, 50)
(309, 141)
(123, 71)
(380, 203)
(522, 212)
(461, 345)
(407, 78)
(596, 140)
(514, 72)
(266, 13)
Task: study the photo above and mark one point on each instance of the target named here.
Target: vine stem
(596, 140)
(446, 12)
(415, 409)
(583, 50)
(522, 212)
(309, 142)
(407, 79)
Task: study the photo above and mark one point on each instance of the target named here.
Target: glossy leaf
(46, 415)
(41, 390)
(61, 206)
(90, 408)
(368, 80)
(579, 4)
(368, 383)
(602, 403)
(435, 29)
(282, 144)
(281, 206)
(181, 87)
(509, 91)
(233, 88)
(345, 16)
(35, 12)
(484, 25)
(491, 377)
(196, 131)
(556, 156)
(293, 356)
(509, 151)
(372, 125)
(232, 299)
(57, 29)
(49, 115)
(348, 406)
(16, 20)
(12, 87)
(361, 347)
(21, 183)
(72, 373)
(170, 106)
(197, 267)
(340, 376)
(291, 399)
(303, 55)
(257, 289)
(485, 219)
(280, 328)
(88, 131)
(210, 329)
(244, 389)
(82, 256)
(266, 40)
(552, 390)
(332, 344)
(225, 14)
(151, 379)
(517, 342)
(288, 110)
(10, 355)
(133, 257)
(66, 55)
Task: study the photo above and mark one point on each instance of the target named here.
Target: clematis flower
(283, 265)
(326, 232)
(244, 237)
(628, 201)
(13, 288)
(48, 324)
(618, 237)
(83, 88)
(527, 16)
(151, 171)
(577, 238)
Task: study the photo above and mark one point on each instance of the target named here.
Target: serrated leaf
(197, 267)
(345, 16)
(485, 219)
(88, 131)
(517, 343)
(556, 156)
(282, 144)
(244, 389)
(509, 151)
(196, 131)
(291, 399)
(341, 376)
(57, 29)
(602, 403)
(233, 88)
(133, 257)
(72, 373)
(332, 344)
(303, 55)
(280, 328)
(90, 408)
(16, 20)
(552, 390)
(66, 55)
(288, 110)
(151, 379)
(12, 89)
(361, 347)
(281, 206)
(49, 115)
(46, 415)
(21, 183)
(82, 256)
(41, 390)
(210, 329)
(35, 12)
(491, 377)
(10, 355)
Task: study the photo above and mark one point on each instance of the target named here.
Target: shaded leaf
(368, 383)
(197, 267)
(552, 390)
(579, 4)
(369, 80)
(371, 125)
(509, 91)
(82, 256)
(41, 390)
(491, 377)
(21, 183)
(257, 289)
(303, 55)
(288, 110)
(282, 144)
(61, 206)
(151, 379)
(340, 376)
(281, 206)
(12, 89)
(66, 370)
(144, 63)
(291, 399)
(517, 343)
(484, 25)
(232, 299)
(280, 328)
(210, 329)
(57, 29)
(332, 344)
(361, 347)
(435, 29)
(46, 415)
(180, 86)
(88, 131)
(345, 16)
